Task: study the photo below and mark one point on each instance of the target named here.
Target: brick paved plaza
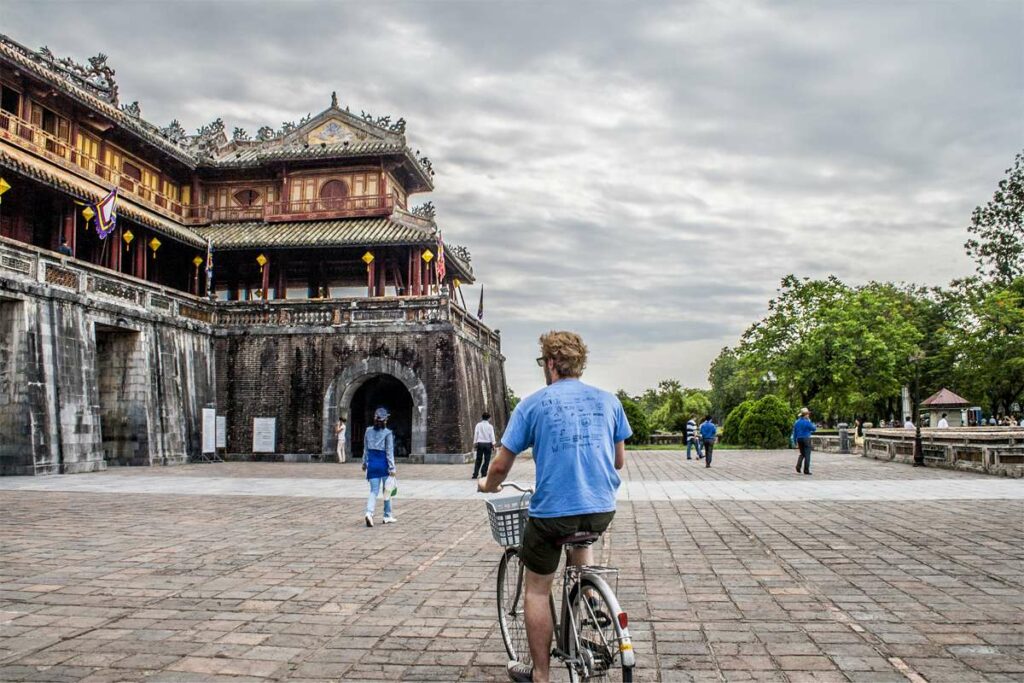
(866, 571)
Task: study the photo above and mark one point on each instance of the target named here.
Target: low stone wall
(991, 450)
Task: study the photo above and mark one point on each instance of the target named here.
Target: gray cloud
(642, 172)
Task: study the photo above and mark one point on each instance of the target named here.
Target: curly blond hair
(567, 350)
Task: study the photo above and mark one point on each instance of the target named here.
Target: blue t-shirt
(708, 430)
(573, 428)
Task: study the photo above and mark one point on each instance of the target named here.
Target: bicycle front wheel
(511, 614)
(601, 637)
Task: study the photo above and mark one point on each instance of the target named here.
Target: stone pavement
(866, 571)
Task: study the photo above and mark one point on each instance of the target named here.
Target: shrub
(767, 424)
(638, 421)
(731, 427)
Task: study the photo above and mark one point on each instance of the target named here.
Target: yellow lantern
(154, 244)
(456, 283)
(368, 258)
(262, 260)
(88, 213)
(197, 261)
(4, 186)
(428, 255)
(127, 237)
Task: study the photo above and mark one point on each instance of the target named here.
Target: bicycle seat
(578, 538)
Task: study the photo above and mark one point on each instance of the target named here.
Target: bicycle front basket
(508, 518)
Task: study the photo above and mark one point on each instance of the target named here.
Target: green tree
(837, 349)
(729, 383)
(511, 400)
(997, 244)
(637, 420)
(731, 427)
(986, 341)
(767, 424)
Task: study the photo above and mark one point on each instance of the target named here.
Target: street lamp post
(918, 451)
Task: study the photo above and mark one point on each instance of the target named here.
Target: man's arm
(620, 455)
(497, 471)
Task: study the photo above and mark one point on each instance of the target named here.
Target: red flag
(441, 269)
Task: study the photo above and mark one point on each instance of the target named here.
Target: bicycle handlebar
(519, 487)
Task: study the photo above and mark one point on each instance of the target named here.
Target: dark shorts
(540, 551)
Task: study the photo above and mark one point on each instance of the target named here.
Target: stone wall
(991, 450)
(96, 369)
(101, 369)
(306, 375)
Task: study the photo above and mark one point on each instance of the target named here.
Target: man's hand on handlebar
(481, 486)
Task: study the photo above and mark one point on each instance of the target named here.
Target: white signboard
(222, 432)
(209, 430)
(264, 431)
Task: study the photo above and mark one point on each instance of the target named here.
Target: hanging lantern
(154, 244)
(4, 186)
(428, 255)
(88, 213)
(127, 237)
(368, 258)
(456, 283)
(197, 261)
(262, 260)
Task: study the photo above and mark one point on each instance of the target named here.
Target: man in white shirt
(907, 424)
(484, 439)
(943, 423)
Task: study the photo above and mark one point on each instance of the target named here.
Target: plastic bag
(390, 487)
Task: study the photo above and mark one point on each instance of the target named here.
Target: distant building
(945, 401)
(328, 294)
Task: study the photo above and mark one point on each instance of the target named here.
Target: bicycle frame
(567, 640)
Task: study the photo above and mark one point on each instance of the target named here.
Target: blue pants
(371, 502)
(691, 443)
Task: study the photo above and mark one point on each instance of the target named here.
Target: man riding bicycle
(577, 433)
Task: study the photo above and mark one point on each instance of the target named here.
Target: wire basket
(508, 518)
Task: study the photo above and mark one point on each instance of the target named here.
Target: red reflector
(623, 619)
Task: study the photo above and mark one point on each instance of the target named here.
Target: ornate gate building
(281, 275)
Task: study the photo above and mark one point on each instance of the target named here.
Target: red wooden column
(382, 279)
(371, 274)
(68, 229)
(139, 266)
(281, 287)
(417, 272)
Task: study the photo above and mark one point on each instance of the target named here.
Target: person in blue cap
(378, 462)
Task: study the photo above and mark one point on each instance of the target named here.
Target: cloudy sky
(644, 173)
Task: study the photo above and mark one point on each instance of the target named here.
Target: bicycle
(592, 635)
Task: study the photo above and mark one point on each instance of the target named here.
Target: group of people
(703, 438)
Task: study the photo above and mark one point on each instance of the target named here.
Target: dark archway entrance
(377, 391)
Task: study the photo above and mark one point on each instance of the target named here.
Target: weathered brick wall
(286, 374)
(88, 380)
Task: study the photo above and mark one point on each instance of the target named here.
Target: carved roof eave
(129, 123)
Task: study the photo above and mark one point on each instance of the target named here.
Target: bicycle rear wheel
(596, 612)
(511, 616)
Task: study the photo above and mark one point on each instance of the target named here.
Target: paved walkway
(866, 571)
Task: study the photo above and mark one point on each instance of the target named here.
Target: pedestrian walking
(908, 423)
(802, 430)
(484, 439)
(339, 436)
(378, 463)
(943, 422)
(692, 440)
(708, 434)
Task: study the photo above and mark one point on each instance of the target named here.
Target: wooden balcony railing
(276, 212)
(35, 139)
(370, 205)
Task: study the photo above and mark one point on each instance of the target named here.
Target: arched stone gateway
(357, 391)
